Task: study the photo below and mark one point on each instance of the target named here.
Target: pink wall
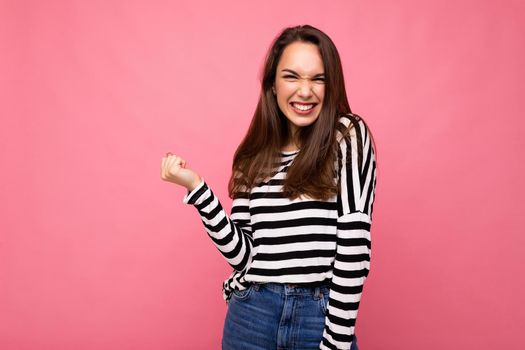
(96, 252)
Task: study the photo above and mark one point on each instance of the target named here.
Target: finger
(172, 160)
(169, 161)
(176, 160)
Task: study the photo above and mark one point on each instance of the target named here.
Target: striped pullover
(269, 238)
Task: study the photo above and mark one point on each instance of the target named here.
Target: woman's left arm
(357, 180)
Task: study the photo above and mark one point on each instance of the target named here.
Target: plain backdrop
(97, 252)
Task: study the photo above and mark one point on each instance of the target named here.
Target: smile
(303, 108)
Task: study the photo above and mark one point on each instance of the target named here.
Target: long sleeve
(232, 235)
(357, 180)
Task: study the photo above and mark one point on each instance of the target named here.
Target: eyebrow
(291, 71)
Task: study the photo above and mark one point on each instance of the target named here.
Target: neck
(293, 140)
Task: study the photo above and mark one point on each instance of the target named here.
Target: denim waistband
(294, 288)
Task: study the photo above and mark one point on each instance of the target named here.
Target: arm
(357, 180)
(231, 235)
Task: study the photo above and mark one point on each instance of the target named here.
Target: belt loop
(317, 293)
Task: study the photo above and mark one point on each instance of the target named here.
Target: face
(300, 84)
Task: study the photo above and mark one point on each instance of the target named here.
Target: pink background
(97, 252)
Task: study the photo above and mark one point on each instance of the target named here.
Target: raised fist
(174, 170)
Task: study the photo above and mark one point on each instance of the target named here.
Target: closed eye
(293, 77)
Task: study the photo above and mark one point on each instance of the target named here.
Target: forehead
(304, 58)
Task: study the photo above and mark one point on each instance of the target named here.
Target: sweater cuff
(192, 196)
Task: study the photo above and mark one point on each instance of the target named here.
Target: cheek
(282, 101)
(285, 90)
(284, 93)
(321, 93)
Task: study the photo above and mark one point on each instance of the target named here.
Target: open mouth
(303, 108)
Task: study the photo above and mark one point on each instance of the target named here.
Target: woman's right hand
(174, 170)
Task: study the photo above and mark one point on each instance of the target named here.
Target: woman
(303, 184)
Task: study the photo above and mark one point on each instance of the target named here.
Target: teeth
(303, 107)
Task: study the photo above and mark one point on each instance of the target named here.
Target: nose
(305, 89)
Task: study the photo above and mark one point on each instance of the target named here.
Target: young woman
(303, 184)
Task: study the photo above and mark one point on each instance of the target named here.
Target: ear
(273, 90)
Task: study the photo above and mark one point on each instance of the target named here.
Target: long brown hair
(312, 172)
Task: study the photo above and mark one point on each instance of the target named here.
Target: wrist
(194, 184)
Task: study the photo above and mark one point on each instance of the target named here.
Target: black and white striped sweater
(268, 238)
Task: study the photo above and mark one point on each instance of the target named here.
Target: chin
(303, 121)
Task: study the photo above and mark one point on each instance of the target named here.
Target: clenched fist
(174, 170)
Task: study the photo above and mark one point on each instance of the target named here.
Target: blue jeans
(276, 316)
